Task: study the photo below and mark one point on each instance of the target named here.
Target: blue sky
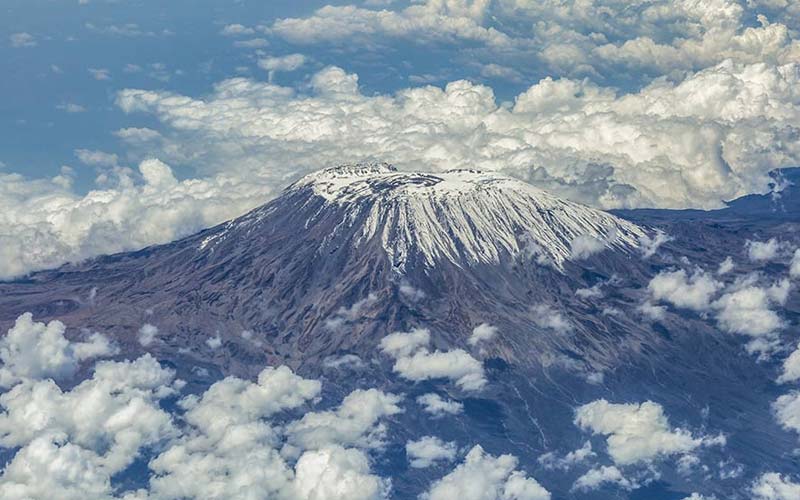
(128, 123)
(181, 37)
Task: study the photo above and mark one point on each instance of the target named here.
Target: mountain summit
(461, 216)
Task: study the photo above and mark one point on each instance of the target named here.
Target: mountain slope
(338, 237)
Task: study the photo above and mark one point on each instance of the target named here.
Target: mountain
(347, 255)
(332, 239)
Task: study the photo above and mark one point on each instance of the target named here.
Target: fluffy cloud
(761, 251)
(438, 406)
(236, 30)
(787, 410)
(651, 244)
(482, 333)
(348, 315)
(414, 361)
(794, 266)
(791, 367)
(545, 316)
(583, 247)
(710, 137)
(432, 21)
(747, 308)
(289, 62)
(698, 496)
(594, 478)
(648, 38)
(636, 432)
(773, 486)
(43, 224)
(551, 461)
(22, 40)
(334, 472)
(682, 290)
(428, 450)
(355, 423)
(72, 443)
(484, 477)
(726, 266)
(37, 350)
(147, 334)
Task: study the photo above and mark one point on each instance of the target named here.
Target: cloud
(91, 432)
(286, 63)
(682, 290)
(485, 477)
(433, 21)
(726, 266)
(748, 309)
(584, 246)
(100, 74)
(712, 136)
(32, 350)
(253, 43)
(638, 41)
(414, 361)
(214, 342)
(96, 158)
(236, 30)
(594, 478)
(350, 361)
(593, 292)
(126, 30)
(698, 496)
(456, 365)
(147, 334)
(794, 266)
(410, 292)
(791, 367)
(354, 423)
(438, 406)
(403, 344)
(545, 316)
(45, 225)
(551, 461)
(348, 315)
(337, 473)
(762, 251)
(636, 432)
(428, 450)
(227, 433)
(71, 107)
(773, 486)
(20, 40)
(221, 443)
(137, 135)
(651, 244)
(482, 333)
(787, 410)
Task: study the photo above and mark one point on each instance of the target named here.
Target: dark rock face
(300, 276)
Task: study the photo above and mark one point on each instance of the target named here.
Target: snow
(463, 216)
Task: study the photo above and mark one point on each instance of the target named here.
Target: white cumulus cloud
(428, 450)
(485, 477)
(636, 432)
(414, 361)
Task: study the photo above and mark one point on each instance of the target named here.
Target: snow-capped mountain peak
(463, 216)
